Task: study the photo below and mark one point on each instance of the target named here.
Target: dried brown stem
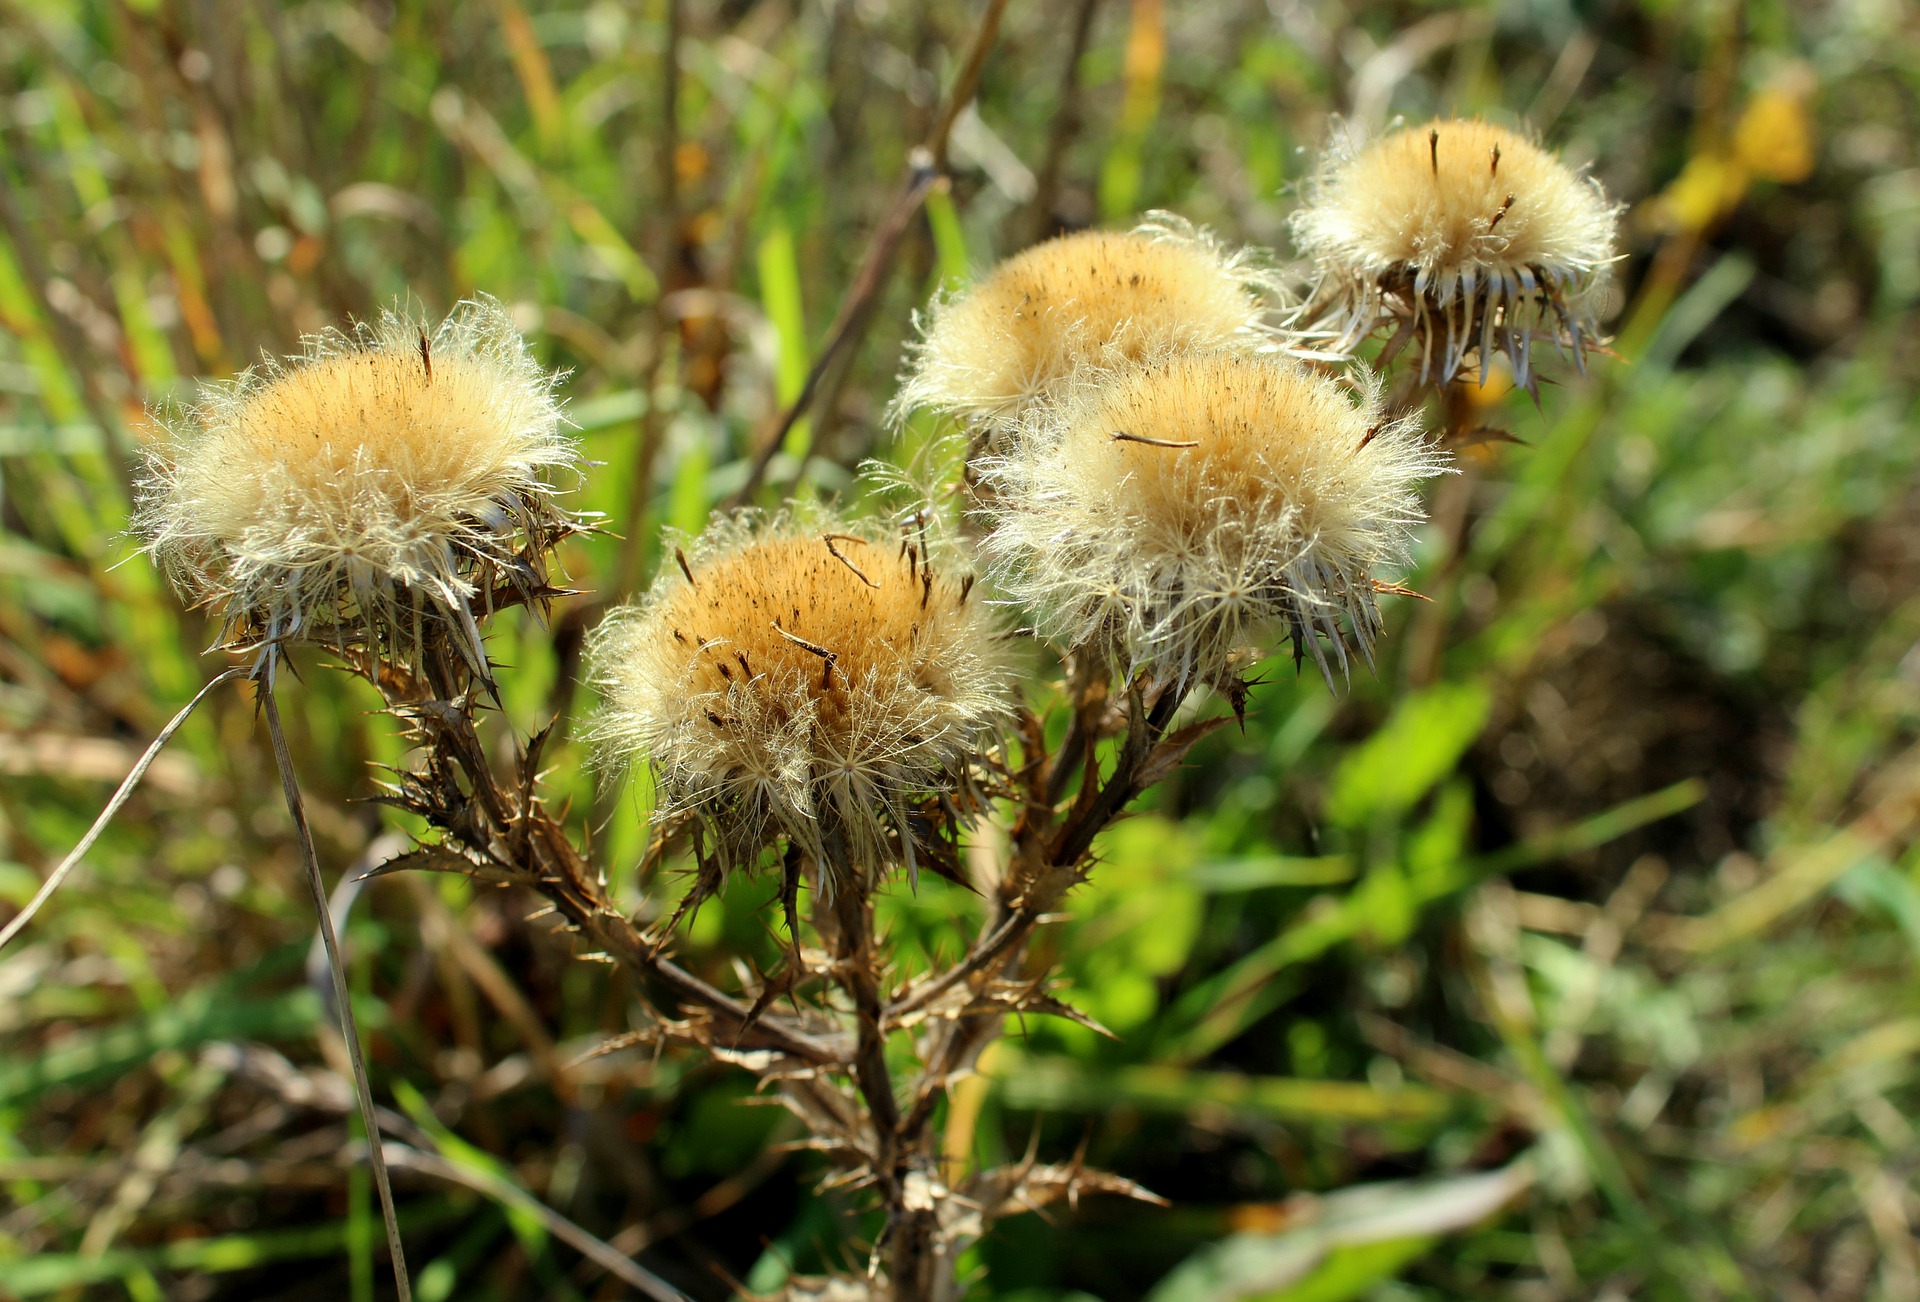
(1041, 851)
(859, 965)
(850, 324)
(501, 829)
(1039, 216)
(966, 83)
(926, 169)
(1049, 856)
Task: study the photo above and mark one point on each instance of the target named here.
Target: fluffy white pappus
(371, 487)
(1470, 238)
(805, 677)
(1186, 514)
(1093, 299)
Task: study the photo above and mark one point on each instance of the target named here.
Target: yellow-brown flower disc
(1471, 236)
(1185, 512)
(816, 680)
(376, 484)
(1091, 299)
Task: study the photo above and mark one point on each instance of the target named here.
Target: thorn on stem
(1433, 149)
(426, 356)
(1399, 590)
(1505, 205)
(685, 569)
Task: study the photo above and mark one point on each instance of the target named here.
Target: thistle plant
(366, 496)
(1166, 498)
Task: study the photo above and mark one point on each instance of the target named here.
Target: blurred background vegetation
(1573, 956)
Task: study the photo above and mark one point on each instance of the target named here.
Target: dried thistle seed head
(1188, 510)
(1467, 236)
(370, 488)
(1092, 299)
(812, 679)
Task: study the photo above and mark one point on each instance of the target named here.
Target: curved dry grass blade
(19, 920)
(595, 1249)
(289, 785)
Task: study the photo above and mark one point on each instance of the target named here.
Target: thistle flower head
(1468, 236)
(1190, 509)
(372, 487)
(812, 679)
(1091, 299)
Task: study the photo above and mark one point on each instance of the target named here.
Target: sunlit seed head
(1092, 299)
(1469, 236)
(375, 485)
(1186, 512)
(812, 679)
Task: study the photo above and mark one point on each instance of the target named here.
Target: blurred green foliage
(1593, 914)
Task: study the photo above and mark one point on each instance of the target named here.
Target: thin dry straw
(595, 1249)
(289, 785)
(19, 921)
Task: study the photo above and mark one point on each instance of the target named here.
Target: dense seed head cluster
(1468, 236)
(1190, 509)
(815, 680)
(1093, 299)
(373, 486)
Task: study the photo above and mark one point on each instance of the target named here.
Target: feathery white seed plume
(376, 485)
(1179, 515)
(804, 677)
(1471, 238)
(1090, 299)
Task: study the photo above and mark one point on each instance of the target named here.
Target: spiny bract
(1091, 299)
(1192, 509)
(1466, 235)
(809, 678)
(374, 485)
